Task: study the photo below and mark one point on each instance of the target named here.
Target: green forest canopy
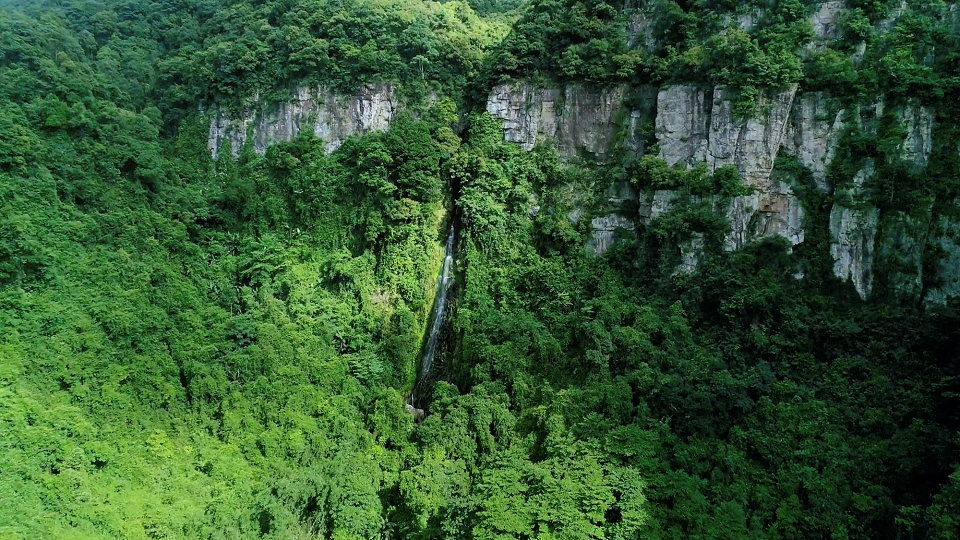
(199, 349)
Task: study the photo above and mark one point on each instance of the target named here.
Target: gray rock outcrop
(613, 217)
(602, 230)
(642, 25)
(331, 117)
(656, 205)
(826, 19)
(683, 124)
(694, 125)
(947, 280)
(813, 134)
(855, 223)
(574, 118)
(918, 123)
(750, 144)
(853, 229)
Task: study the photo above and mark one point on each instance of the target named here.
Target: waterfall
(436, 322)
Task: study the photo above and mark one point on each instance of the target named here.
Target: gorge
(298, 269)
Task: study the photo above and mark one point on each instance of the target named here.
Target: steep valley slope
(704, 282)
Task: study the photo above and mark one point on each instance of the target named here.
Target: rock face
(683, 124)
(417, 414)
(852, 232)
(695, 125)
(330, 117)
(854, 223)
(813, 133)
(653, 207)
(643, 21)
(918, 123)
(751, 146)
(574, 118)
(826, 19)
(602, 230)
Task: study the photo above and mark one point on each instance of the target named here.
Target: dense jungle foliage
(897, 50)
(197, 348)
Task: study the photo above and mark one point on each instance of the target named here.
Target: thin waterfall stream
(436, 323)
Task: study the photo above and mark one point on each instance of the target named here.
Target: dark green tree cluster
(259, 48)
(661, 41)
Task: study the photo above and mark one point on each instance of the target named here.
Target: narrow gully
(444, 279)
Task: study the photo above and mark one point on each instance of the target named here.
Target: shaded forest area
(193, 348)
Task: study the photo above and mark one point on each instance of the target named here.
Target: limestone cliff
(698, 125)
(574, 118)
(813, 133)
(690, 125)
(331, 117)
(875, 180)
(695, 124)
(852, 231)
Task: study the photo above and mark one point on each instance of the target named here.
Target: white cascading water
(439, 305)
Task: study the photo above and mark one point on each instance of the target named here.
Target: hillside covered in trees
(201, 341)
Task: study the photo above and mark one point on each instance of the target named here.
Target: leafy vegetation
(587, 41)
(197, 348)
(869, 50)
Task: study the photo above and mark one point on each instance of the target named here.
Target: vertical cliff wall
(699, 125)
(573, 118)
(695, 124)
(331, 117)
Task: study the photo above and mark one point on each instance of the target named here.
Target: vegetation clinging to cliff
(203, 350)
(862, 52)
